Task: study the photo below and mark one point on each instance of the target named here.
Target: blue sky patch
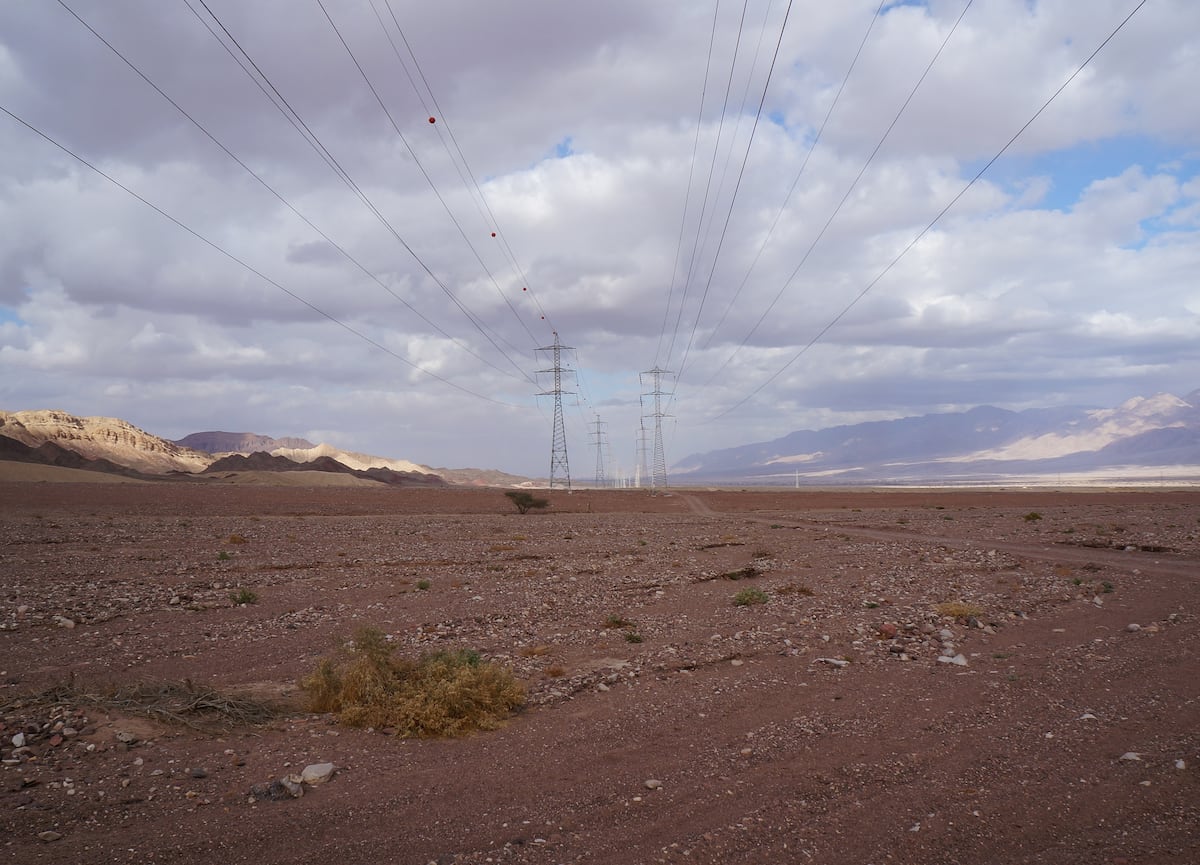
(8, 314)
(1071, 171)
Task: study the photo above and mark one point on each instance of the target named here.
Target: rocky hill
(115, 446)
(215, 442)
(102, 438)
(262, 461)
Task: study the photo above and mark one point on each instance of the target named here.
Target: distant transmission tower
(642, 470)
(659, 476)
(559, 469)
(598, 439)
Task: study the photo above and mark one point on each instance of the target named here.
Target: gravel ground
(934, 676)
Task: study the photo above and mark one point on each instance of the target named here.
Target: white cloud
(1065, 275)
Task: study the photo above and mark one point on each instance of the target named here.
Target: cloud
(1064, 276)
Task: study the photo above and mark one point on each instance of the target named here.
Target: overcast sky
(603, 143)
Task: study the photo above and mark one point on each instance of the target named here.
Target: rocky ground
(933, 677)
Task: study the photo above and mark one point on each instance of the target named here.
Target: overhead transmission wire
(707, 186)
(479, 198)
(412, 152)
(687, 198)
(800, 173)
(733, 198)
(278, 196)
(319, 148)
(846, 196)
(937, 218)
(212, 244)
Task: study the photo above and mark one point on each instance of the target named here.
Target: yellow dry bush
(448, 693)
(958, 609)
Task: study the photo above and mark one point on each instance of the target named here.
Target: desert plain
(932, 676)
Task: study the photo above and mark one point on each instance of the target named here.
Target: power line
(845, 197)
(470, 177)
(800, 173)
(416, 159)
(687, 198)
(266, 185)
(707, 189)
(733, 198)
(249, 267)
(870, 285)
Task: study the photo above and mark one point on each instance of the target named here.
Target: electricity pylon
(659, 476)
(559, 469)
(598, 438)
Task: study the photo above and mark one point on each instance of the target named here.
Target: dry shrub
(958, 609)
(795, 589)
(535, 651)
(197, 706)
(446, 693)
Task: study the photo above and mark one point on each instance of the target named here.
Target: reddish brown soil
(765, 752)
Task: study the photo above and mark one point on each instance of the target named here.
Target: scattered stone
(1133, 627)
(1179, 764)
(1131, 756)
(887, 630)
(198, 772)
(653, 784)
(64, 622)
(960, 660)
(278, 791)
(833, 662)
(317, 773)
(125, 737)
(1086, 716)
(736, 662)
(49, 836)
(18, 741)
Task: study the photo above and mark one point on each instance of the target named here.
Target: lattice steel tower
(659, 476)
(559, 469)
(598, 438)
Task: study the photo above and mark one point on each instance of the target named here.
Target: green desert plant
(748, 597)
(444, 693)
(244, 596)
(526, 501)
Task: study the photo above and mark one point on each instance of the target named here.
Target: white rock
(1131, 755)
(1179, 764)
(833, 662)
(18, 741)
(653, 784)
(1133, 627)
(959, 660)
(317, 773)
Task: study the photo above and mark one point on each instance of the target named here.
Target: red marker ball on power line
(433, 120)
(493, 234)
(525, 288)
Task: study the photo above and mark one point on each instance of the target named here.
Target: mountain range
(115, 446)
(1156, 436)
(1144, 438)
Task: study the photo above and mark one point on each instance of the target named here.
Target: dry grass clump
(958, 609)
(446, 693)
(197, 706)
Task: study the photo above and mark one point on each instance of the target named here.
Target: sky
(806, 215)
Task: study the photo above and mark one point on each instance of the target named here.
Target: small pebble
(653, 784)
